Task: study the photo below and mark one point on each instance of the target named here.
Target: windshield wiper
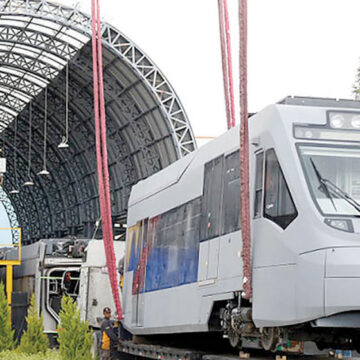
(323, 183)
(343, 194)
(336, 190)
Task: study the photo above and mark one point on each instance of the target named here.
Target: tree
(6, 334)
(74, 336)
(34, 340)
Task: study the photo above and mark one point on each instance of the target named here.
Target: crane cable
(244, 154)
(230, 114)
(226, 58)
(102, 155)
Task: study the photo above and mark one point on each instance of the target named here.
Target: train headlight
(337, 121)
(355, 122)
(303, 133)
(340, 126)
(340, 224)
(344, 120)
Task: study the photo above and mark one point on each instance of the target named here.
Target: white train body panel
(95, 291)
(305, 266)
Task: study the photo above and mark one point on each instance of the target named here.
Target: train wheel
(234, 339)
(270, 338)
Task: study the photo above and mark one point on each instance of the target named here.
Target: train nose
(342, 280)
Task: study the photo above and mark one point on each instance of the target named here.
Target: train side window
(132, 238)
(278, 205)
(259, 175)
(231, 199)
(173, 247)
(212, 195)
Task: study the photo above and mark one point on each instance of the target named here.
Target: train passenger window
(212, 195)
(258, 184)
(231, 199)
(132, 251)
(173, 247)
(278, 206)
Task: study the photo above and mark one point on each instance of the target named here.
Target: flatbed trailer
(159, 352)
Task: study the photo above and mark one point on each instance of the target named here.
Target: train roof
(320, 102)
(173, 173)
(226, 143)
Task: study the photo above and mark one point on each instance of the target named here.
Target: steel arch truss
(147, 126)
(36, 30)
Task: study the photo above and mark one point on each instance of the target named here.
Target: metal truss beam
(125, 49)
(147, 126)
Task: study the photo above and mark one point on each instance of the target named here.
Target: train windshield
(333, 176)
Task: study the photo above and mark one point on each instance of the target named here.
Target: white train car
(174, 253)
(183, 268)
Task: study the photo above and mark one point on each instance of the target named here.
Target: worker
(67, 282)
(108, 336)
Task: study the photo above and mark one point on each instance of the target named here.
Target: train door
(274, 211)
(210, 228)
(140, 274)
(274, 261)
(257, 215)
(132, 262)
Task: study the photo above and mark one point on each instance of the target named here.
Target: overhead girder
(56, 116)
(147, 128)
(31, 197)
(120, 46)
(19, 83)
(56, 192)
(37, 39)
(31, 64)
(13, 103)
(56, 163)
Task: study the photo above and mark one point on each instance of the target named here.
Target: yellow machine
(11, 262)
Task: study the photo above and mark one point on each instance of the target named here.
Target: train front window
(333, 176)
(278, 204)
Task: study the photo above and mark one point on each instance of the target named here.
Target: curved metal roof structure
(147, 126)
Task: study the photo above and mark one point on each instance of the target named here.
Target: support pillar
(9, 286)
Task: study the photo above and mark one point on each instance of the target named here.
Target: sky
(296, 47)
(5, 235)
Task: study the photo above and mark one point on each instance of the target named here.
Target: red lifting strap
(227, 62)
(102, 155)
(244, 153)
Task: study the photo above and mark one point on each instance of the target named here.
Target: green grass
(13, 355)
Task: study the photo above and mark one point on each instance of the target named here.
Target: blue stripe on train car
(134, 256)
(170, 266)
